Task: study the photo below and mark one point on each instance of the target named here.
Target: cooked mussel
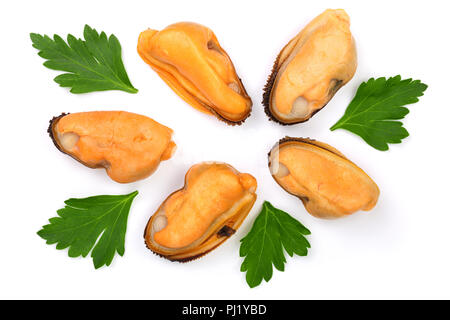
(330, 185)
(310, 69)
(196, 219)
(129, 146)
(189, 58)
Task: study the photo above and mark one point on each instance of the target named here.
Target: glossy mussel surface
(189, 58)
(128, 146)
(310, 69)
(194, 220)
(329, 184)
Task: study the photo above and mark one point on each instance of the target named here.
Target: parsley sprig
(263, 246)
(93, 64)
(377, 103)
(81, 222)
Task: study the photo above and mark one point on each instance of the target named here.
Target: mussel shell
(145, 141)
(315, 87)
(329, 184)
(189, 58)
(222, 226)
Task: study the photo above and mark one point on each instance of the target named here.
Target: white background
(398, 250)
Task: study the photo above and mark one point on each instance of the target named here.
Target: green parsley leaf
(82, 221)
(94, 64)
(263, 245)
(375, 105)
